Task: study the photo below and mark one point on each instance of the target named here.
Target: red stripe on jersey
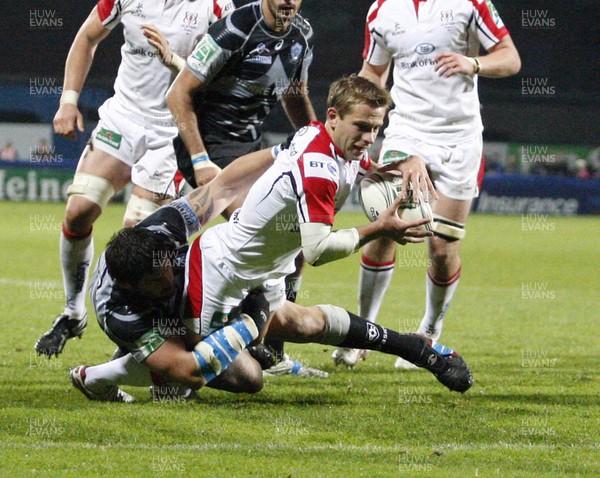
(365, 162)
(217, 9)
(486, 17)
(370, 18)
(481, 172)
(193, 305)
(104, 8)
(416, 3)
(320, 197)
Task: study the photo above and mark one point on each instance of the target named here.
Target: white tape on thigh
(139, 208)
(93, 188)
(448, 228)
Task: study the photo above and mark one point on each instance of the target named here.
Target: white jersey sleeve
(487, 24)
(110, 11)
(375, 51)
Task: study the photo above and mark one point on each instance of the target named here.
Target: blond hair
(352, 90)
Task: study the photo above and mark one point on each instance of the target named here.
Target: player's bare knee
(80, 215)
(253, 384)
(310, 323)
(380, 249)
(182, 373)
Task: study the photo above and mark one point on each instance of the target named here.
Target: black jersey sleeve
(225, 40)
(176, 220)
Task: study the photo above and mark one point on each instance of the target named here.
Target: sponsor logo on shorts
(109, 137)
(218, 320)
(392, 156)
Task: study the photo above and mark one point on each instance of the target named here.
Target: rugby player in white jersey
(289, 209)
(435, 128)
(134, 137)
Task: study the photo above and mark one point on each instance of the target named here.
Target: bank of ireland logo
(424, 48)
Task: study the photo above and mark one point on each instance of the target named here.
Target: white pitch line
(296, 449)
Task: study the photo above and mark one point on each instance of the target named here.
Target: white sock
(437, 301)
(373, 282)
(76, 254)
(122, 371)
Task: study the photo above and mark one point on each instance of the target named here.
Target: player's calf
(345, 329)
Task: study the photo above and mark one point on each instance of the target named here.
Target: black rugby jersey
(245, 66)
(137, 325)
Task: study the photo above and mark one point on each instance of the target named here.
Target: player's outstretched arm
(321, 245)
(77, 67)
(230, 185)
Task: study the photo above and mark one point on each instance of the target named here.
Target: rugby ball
(377, 193)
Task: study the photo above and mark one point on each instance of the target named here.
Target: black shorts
(222, 153)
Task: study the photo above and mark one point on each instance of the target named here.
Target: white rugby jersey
(142, 80)
(412, 33)
(309, 182)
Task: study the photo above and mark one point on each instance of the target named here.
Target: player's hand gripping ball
(377, 192)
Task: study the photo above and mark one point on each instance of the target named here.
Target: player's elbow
(513, 63)
(171, 98)
(312, 254)
(515, 66)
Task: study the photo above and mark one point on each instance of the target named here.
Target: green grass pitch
(525, 318)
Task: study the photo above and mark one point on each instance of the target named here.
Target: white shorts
(146, 148)
(213, 289)
(454, 168)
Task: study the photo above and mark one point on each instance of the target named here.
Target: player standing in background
(134, 137)
(434, 47)
(234, 77)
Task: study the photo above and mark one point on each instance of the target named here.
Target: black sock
(276, 347)
(415, 348)
(291, 283)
